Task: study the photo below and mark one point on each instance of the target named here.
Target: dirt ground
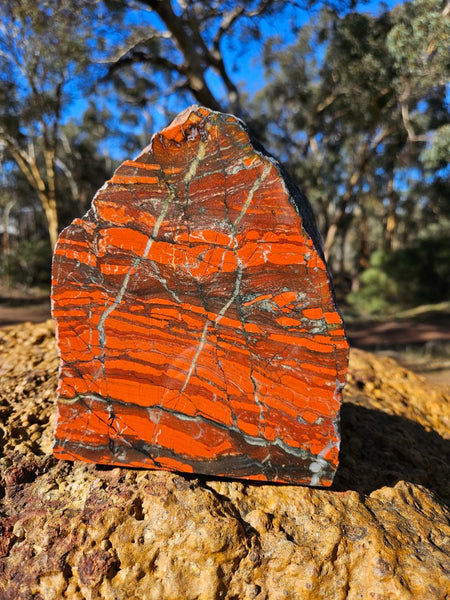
(418, 339)
(14, 315)
(420, 343)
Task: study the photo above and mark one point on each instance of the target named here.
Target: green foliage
(359, 111)
(437, 154)
(415, 275)
(43, 45)
(419, 42)
(355, 104)
(28, 264)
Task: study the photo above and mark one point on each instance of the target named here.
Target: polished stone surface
(196, 323)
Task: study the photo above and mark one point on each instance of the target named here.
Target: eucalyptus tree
(45, 48)
(359, 110)
(193, 50)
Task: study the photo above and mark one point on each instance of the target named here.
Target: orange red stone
(196, 323)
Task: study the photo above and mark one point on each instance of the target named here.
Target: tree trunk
(51, 216)
(50, 207)
(364, 249)
(46, 193)
(183, 38)
(340, 215)
(391, 218)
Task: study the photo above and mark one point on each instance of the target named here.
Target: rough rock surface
(72, 530)
(196, 323)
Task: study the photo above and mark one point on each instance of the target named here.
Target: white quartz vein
(118, 299)
(257, 184)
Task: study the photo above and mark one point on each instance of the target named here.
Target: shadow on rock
(379, 449)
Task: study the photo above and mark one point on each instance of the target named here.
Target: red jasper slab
(196, 323)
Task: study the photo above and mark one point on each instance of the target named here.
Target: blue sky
(243, 61)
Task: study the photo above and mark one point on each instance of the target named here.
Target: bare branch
(233, 15)
(70, 178)
(315, 148)
(192, 50)
(143, 56)
(133, 45)
(227, 21)
(412, 137)
(26, 162)
(264, 5)
(379, 138)
(328, 101)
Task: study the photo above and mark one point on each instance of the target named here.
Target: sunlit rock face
(196, 323)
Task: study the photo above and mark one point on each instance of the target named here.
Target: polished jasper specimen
(196, 323)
